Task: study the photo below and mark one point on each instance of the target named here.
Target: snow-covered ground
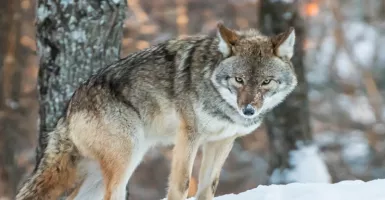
(346, 190)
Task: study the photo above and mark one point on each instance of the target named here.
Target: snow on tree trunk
(294, 157)
(74, 40)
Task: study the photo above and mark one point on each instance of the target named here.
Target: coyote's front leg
(186, 147)
(214, 156)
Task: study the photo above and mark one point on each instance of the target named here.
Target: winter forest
(330, 129)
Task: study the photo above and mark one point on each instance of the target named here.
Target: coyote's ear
(284, 43)
(227, 39)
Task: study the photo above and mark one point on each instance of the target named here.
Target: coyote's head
(256, 73)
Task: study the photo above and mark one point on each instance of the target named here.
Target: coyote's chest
(164, 127)
(216, 129)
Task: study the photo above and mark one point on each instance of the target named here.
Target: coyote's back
(197, 91)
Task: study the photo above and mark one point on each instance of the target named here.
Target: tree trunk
(9, 81)
(74, 40)
(288, 125)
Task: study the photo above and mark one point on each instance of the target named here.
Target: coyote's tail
(56, 172)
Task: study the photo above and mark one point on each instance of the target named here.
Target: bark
(287, 124)
(74, 40)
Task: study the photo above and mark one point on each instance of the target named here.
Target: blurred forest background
(344, 66)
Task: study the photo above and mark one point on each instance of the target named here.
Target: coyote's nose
(248, 110)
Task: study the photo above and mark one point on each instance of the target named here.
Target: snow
(78, 35)
(356, 151)
(352, 190)
(42, 12)
(345, 68)
(318, 63)
(356, 146)
(326, 138)
(358, 108)
(364, 37)
(116, 1)
(65, 3)
(307, 166)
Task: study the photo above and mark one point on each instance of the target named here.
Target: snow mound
(307, 167)
(351, 190)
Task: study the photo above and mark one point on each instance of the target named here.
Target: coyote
(191, 92)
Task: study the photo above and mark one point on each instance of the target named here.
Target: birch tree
(74, 40)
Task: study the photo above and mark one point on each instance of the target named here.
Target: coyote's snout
(191, 92)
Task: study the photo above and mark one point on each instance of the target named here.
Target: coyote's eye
(266, 82)
(239, 80)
